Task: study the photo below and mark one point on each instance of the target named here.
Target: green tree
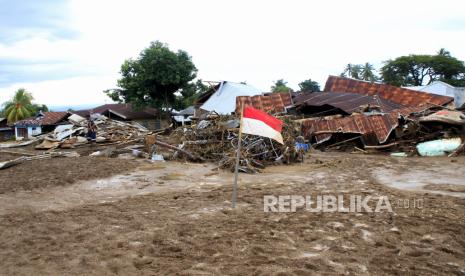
(352, 71)
(280, 86)
(19, 107)
(189, 94)
(36, 108)
(309, 86)
(416, 70)
(367, 72)
(154, 77)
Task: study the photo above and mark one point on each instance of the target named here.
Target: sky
(67, 52)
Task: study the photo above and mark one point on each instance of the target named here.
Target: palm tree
(367, 72)
(347, 70)
(20, 107)
(352, 71)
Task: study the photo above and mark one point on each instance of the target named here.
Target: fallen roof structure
(122, 110)
(272, 103)
(343, 102)
(403, 96)
(445, 116)
(381, 125)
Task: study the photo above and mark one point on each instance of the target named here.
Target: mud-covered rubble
(108, 132)
(362, 120)
(401, 133)
(216, 140)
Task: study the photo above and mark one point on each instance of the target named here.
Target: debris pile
(349, 115)
(366, 117)
(216, 140)
(110, 132)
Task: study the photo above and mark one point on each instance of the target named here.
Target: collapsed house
(361, 115)
(348, 115)
(150, 118)
(373, 115)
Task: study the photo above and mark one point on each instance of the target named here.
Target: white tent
(223, 101)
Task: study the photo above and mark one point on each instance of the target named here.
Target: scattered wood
(17, 153)
(343, 142)
(382, 146)
(458, 151)
(187, 153)
(10, 163)
(359, 149)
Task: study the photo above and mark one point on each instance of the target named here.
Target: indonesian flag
(257, 122)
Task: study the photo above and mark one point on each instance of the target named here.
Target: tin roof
(445, 116)
(403, 96)
(381, 125)
(44, 119)
(347, 102)
(123, 110)
(272, 103)
(187, 111)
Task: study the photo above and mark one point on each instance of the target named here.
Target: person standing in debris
(91, 131)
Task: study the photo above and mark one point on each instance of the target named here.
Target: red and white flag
(257, 122)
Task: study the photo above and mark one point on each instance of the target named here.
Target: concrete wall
(31, 131)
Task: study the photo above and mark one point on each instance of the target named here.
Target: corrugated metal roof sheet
(348, 102)
(120, 109)
(381, 125)
(405, 97)
(445, 116)
(46, 118)
(273, 103)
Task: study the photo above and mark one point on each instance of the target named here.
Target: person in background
(91, 131)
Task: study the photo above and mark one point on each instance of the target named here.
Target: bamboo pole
(238, 156)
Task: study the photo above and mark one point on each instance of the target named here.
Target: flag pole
(238, 156)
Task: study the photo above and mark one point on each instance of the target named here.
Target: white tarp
(223, 101)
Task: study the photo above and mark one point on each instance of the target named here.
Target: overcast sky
(67, 52)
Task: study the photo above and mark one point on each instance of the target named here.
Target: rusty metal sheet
(49, 118)
(348, 102)
(273, 103)
(445, 116)
(403, 96)
(381, 125)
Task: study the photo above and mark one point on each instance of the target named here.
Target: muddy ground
(58, 172)
(175, 218)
